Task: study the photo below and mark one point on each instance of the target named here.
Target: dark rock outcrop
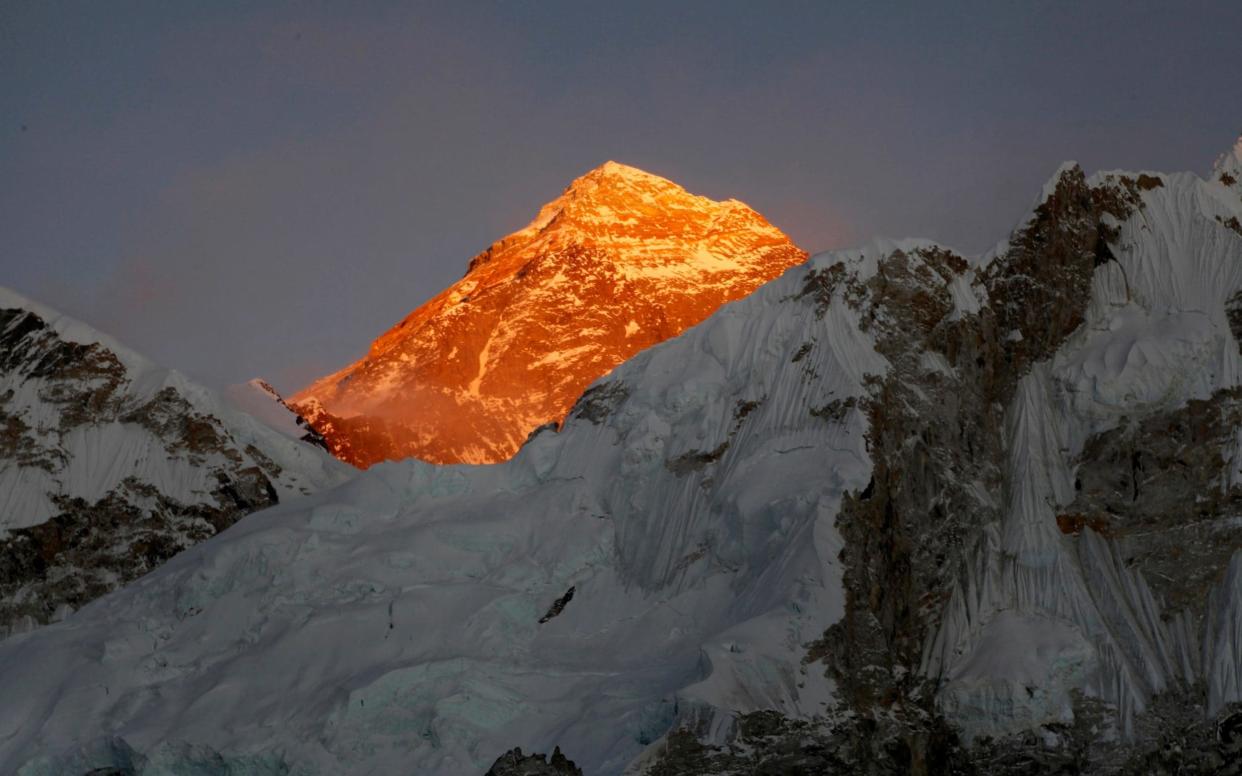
(514, 763)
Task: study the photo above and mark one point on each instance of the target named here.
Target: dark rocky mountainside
(1154, 489)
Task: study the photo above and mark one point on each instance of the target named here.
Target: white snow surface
(391, 625)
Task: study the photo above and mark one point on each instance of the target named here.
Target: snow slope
(258, 399)
(100, 457)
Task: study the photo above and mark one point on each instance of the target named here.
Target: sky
(261, 189)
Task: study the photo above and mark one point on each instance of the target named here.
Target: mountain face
(110, 465)
(898, 511)
(620, 261)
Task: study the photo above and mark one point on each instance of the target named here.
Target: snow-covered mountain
(261, 401)
(898, 511)
(109, 464)
(620, 261)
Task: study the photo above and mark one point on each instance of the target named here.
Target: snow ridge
(1156, 336)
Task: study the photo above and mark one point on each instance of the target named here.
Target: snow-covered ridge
(1229, 166)
(73, 330)
(92, 428)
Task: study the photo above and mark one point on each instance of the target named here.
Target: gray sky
(261, 189)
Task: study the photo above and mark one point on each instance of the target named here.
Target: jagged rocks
(936, 420)
(599, 400)
(356, 439)
(1039, 289)
(959, 342)
(514, 763)
(767, 742)
(1233, 309)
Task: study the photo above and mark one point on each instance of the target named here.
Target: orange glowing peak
(622, 259)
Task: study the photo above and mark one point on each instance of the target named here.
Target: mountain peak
(617, 170)
(1228, 168)
(642, 217)
(621, 260)
(613, 179)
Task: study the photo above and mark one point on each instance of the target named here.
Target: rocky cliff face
(898, 511)
(620, 261)
(1042, 572)
(109, 466)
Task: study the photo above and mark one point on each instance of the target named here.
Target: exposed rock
(767, 742)
(557, 606)
(695, 460)
(1166, 487)
(599, 400)
(514, 763)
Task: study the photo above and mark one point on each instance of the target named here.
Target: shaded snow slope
(394, 623)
